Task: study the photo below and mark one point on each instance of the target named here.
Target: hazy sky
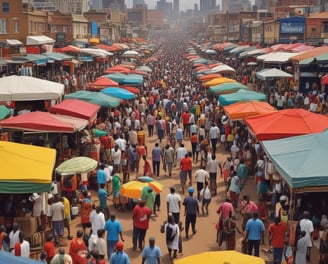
(184, 4)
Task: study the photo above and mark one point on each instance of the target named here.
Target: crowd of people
(174, 108)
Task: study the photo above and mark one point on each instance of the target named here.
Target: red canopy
(76, 108)
(117, 68)
(69, 48)
(131, 89)
(39, 121)
(286, 123)
(104, 82)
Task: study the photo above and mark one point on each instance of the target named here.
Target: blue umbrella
(119, 93)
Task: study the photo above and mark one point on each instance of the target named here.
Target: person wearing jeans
(254, 234)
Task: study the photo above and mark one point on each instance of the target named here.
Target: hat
(283, 198)
(119, 246)
(191, 190)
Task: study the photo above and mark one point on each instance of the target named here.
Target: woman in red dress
(77, 249)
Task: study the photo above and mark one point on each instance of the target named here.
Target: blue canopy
(241, 96)
(301, 160)
(119, 93)
(6, 257)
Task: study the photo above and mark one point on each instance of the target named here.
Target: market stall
(241, 96)
(286, 123)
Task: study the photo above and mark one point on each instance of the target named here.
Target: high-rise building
(95, 4)
(176, 8)
(236, 5)
(138, 2)
(166, 7)
(262, 4)
(64, 6)
(114, 4)
(207, 5)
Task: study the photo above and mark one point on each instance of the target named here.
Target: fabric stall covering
(286, 123)
(276, 57)
(25, 88)
(241, 96)
(4, 112)
(132, 80)
(44, 122)
(76, 108)
(117, 77)
(226, 88)
(220, 257)
(116, 69)
(119, 93)
(270, 74)
(100, 83)
(97, 98)
(241, 110)
(131, 89)
(301, 161)
(35, 163)
(39, 40)
(218, 81)
(208, 77)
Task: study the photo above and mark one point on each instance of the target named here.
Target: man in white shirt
(97, 220)
(307, 226)
(201, 176)
(214, 135)
(173, 201)
(213, 165)
(205, 197)
(180, 153)
(116, 157)
(14, 238)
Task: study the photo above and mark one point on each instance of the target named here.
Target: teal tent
(97, 98)
(117, 77)
(241, 96)
(119, 93)
(301, 160)
(4, 112)
(226, 88)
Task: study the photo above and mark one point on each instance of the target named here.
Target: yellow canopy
(26, 163)
(217, 81)
(220, 257)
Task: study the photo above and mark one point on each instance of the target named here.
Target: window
(5, 7)
(3, 26)
(325, 27)
(16, 26)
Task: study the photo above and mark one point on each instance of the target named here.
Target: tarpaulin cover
(35, 164)
(241, 96)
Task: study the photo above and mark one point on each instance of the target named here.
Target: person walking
(151, 254)
(119, 257)
(205, 197)
(301, 249)
(254, 234)
(214, 134)
(172, 233)
(57, 214)
(156, 159)
(102, 196)
(168, 159)
(213, 165)
(191, 211)
(234, 190)
(201, 176)
(173, 202)
(78, 249)
(307, 226)
(114, 231)
(229, 229)
(277, 235)
(140, 215)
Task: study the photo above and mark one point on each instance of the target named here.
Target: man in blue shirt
(156, 157)
(254, 234)
(191, 211)
(114, 229)
(101, 175)
(102, 196)
(119, 257)
(151, 254)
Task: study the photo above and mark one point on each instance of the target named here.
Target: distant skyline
(184, 4)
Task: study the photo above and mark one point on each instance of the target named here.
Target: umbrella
(130, 53)
(216, 257)
(119, 93)
(210, 52)
(76, 165)
(144, 68)
(134, 189)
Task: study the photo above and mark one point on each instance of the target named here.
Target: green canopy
(226, 88)
(241, 96)
(4, 112)
(97, 98)
(322, 58)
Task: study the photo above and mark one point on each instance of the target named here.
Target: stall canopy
(25, 88)
(217, 81)
(39, 40)
(300, 160)
(270, 74)
(97, 98)
(4, 112)
(242, 110)
(36, 166)
(286, 123)
(119, 93)
(44, 122)
(226, 88)
(241, 96)
(76, 108)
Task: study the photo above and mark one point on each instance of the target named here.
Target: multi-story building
(138, 2)
(95, 4)
(114, 4)
(71, 6)
(236, 5)
(164, 6)
(176, 8)
(207, 5)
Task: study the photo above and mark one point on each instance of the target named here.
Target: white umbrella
(210, 52)
(97, 52)
(222, 68)
(130, 53)
(144, 68)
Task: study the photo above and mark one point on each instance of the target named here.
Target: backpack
(169, 232)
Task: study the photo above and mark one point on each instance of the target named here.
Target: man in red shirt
(277, 232)
(147, 167)
(224, 210)
(185, 121)
(140, 216)
(186, 167)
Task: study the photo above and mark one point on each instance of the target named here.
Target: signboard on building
(292, 25)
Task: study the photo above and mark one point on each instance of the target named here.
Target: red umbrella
(117, 68)
(103, 81)
(324, 79)
(131, 89)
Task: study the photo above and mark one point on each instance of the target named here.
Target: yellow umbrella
(217, 81)
(133, 189)
(220, 257)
